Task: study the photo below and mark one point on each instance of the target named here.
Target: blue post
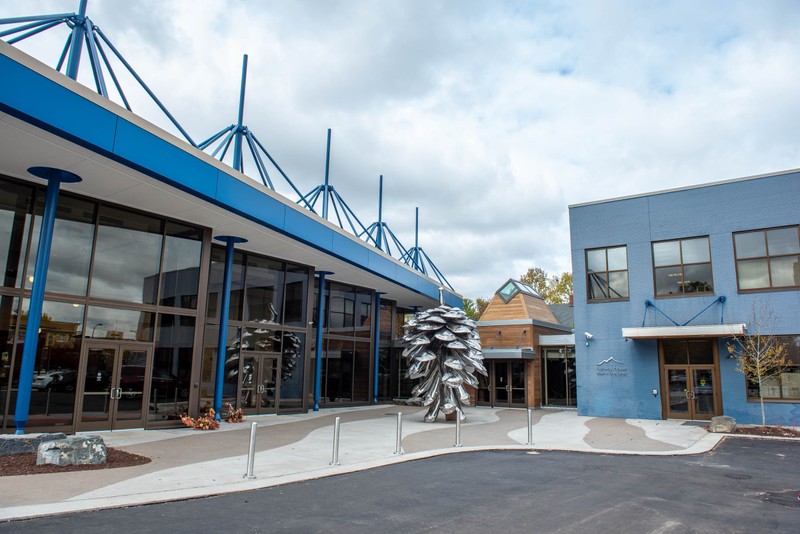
(237, 140)
(75, 49)
(327, 168)
(377, 343)
(320, 325)
(224, 304)
(380, 213)
(54, 179)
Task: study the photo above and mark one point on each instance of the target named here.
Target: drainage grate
(789, 498)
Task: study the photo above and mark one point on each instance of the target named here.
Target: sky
(491, 117)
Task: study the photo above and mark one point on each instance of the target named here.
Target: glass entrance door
(258, 386)
(691, 393)
(558, 376)
(112, 387)
(509, 383)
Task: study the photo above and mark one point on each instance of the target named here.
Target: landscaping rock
(25, 443)
(722, 424)
(74, 450)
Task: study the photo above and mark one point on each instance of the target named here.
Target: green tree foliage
(481, 304)
(760, 356)
(469, 309)
(553, 289)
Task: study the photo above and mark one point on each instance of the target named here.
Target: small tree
(480, 305)
(469, 309)
(759, 356)
(553, 289)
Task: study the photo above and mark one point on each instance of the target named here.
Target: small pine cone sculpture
(444, 350)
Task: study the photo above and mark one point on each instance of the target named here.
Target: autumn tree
(481, 305)
(760, 356)
(553, 289)
(469, 309)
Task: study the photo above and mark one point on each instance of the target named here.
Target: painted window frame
(778, 383)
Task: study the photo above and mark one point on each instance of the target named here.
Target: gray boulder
(74, 450)
(25, 443)
(722, 424)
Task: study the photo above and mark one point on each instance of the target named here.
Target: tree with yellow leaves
(760, 356)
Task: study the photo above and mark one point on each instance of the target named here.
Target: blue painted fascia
(38, 100)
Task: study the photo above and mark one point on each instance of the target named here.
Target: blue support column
(320, 325)
(377, 344)
(54, 177)
(224, 304)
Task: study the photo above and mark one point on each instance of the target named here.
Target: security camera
(588, 335)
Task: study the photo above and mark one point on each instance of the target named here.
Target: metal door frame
(259, 356)
(115, 392)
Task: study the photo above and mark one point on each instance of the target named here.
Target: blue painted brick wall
(714, 210)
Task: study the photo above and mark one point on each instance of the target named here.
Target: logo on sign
(611, 367)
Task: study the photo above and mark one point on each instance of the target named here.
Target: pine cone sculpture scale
(444, 350)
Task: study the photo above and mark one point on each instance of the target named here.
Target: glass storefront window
(363, 315)
(294, 313)
(119, 324)
(337, 371)
(261, 339)
(215, 279)
(208, 371)
(15, 205)
(263, 290)
(292, 371)
(56, 366)
(180, 271)
(9, 307)
(362, 357)
(71, 249)
(341, 310)
(127, 256)
(170, 382)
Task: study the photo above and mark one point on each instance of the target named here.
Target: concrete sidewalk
(188, 463)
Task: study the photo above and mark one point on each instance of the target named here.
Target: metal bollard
(251, 454)
(458, 430)
(530, 426)
(335, 456)
(398, 446)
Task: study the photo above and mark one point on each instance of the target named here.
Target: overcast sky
(491, 117)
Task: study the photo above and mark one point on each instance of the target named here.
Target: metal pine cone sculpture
(444, 350)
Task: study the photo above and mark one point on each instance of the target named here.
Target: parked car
(59, 380)
(132, 382)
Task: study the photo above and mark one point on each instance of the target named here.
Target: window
(682, 266)
(768, 259)
(607, 273)
(785, 386)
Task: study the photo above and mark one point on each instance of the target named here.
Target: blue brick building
(663, 280)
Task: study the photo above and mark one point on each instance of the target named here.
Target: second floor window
(767, 259)
(607, 273)
(682, 267)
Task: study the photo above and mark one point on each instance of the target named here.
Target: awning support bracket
(720, 299)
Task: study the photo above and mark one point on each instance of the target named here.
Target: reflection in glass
(296, 295)
(666, 253)
(181, 267)
(119, 324)
(208, 371)
(668, 280)
(618, 284)
(783, 241)
(363, 313)
(697, 278)
(695, 250)
(753, 274)
(750, 245)
(785, 271)
(264, 290)
(8, 325)
(15, 205)
(618, 259)
(127, 255)
(56, 364)
(341, 309)
(215, 279)
(361, 375)
(292, 371)
(71, 249)
(596, 260)
(172, 367)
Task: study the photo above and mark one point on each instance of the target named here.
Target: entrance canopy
(525, 353)
(658, 332)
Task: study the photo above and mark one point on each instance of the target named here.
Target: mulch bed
(778, 431)
(25, 464)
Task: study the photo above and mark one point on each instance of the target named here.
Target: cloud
(491, 117)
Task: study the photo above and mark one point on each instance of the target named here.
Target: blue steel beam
(319, 326)
(377, 342)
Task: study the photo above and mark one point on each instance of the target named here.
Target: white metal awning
(710, 330)
(509, 354)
